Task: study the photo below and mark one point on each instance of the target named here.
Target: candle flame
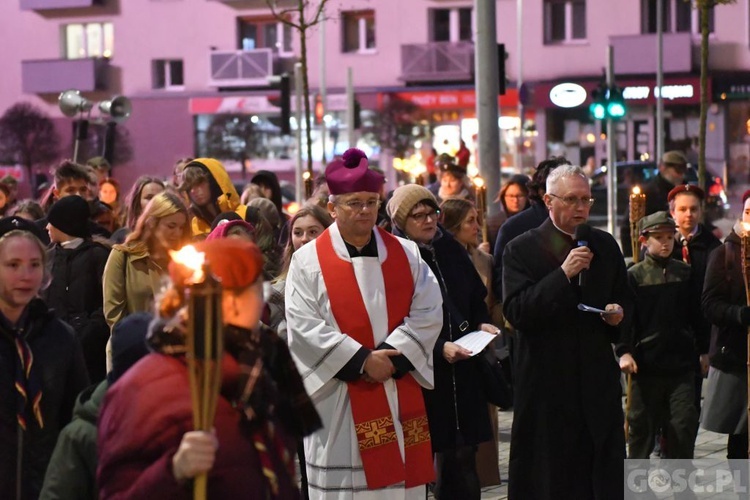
(478, 181)
(189, 257)
(637, 190)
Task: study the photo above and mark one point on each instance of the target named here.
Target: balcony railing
(636, 54)
(241, 68)
(437, 61)
(57, 75)
(57, 4)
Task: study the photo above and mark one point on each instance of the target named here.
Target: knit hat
(351, 174)
(656, 222)
(222, 228)
(237, 263)
(675, 159)
(267, 209)
(128, 343)
(405, 198)
(686, 188)
(71, 216)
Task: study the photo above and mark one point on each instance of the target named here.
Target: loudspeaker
(71, 102)
(119, 108)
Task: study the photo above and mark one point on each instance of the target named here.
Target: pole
(298, 114)
(659, 80)
(322, 25)
(519, 83)
(486, 77)
(350, 107)
(611, 153)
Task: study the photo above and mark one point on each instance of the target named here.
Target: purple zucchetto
(351, 174)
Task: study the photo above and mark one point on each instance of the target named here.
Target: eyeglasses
(358, 206)
(570, 201)
(421, 217)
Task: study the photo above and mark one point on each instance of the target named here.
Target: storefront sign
(668, 92)
(567, 95)
(255, 104)
(447, 99)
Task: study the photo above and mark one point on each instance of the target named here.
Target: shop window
(678, 16)
(451, 25)
(564, 21)
(168, 74)
(88, 40)
(264, 33)
(358, 31)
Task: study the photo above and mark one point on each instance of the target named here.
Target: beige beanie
(404, 199)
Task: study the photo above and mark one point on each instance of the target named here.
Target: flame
(637, 190)
(306, 174)
(292, 208)
(189, 257)
(478, 181)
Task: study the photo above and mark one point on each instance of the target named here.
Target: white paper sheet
(475, 341)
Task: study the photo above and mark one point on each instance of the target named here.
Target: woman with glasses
(457, 408)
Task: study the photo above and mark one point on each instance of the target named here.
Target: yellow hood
(228, 200)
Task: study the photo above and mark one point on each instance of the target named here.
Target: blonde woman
(135, 270)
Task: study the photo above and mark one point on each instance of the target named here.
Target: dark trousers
(666, 401)
(456, 473)
(737, 446)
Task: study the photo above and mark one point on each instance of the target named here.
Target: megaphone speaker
(119, 108)
(71, 102)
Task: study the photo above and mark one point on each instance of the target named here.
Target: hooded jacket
(223, 193)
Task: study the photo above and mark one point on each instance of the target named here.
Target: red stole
(373, 420)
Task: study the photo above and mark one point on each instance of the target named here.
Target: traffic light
(285, 104)
(607, 102)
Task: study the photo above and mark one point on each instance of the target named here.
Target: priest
(364, 312)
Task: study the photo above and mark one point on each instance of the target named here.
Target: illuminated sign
(668, 92)
(567, 95)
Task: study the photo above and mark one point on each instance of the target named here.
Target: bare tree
(28, 137)
(704, 8)
(301, 15)
(393, 126)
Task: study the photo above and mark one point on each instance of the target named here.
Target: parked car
(638, 173)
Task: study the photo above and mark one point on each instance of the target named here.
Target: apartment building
(195, 69)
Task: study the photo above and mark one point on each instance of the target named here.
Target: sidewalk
(707, 445)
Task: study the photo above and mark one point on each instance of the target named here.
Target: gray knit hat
(405, 198)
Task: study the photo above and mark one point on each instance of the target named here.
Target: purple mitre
(351, 174)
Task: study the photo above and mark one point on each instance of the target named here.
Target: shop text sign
(670, 92)
(449, 99)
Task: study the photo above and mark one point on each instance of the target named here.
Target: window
(358, 31)
(678, 16)
(88, 40)
(451, 25)
(564, 21)
(264, 33)
(168, 74)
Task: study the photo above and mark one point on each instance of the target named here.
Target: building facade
(202, 76)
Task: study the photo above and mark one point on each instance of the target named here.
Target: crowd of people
(344, 375)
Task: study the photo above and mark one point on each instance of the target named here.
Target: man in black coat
(567, 439)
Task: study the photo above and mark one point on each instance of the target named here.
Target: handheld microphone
(581, 236)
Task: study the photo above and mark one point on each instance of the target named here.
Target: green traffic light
(616, 109)
(598, 111)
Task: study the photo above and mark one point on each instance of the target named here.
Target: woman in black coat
(41, 365)
(725, 306)
(457, 408)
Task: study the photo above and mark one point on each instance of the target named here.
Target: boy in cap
(75, 291)
(659, 350)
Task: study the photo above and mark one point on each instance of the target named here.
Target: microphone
(581, 236)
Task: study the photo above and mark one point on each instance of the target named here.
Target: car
(638, 173)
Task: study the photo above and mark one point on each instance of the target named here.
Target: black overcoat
(567, 439)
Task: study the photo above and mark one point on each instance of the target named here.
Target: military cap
(686, 188)
(8, 224)
(674, 158)
(656, 222)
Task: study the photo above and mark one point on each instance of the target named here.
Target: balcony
(57, 4)
(57, 75)
(241, 68)
(636, 54)
(437, 61)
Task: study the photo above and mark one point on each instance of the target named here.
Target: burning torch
(205, 344)
(481, 202)
(637, 212)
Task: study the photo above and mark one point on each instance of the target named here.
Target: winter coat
(223, 193)
(458, 391)
(71, 474)
(663, 339)
(725, 306)
(131, 281)
(484, 264)
(700, 247)
(61, 373)
(567, 436)
(75, 295)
